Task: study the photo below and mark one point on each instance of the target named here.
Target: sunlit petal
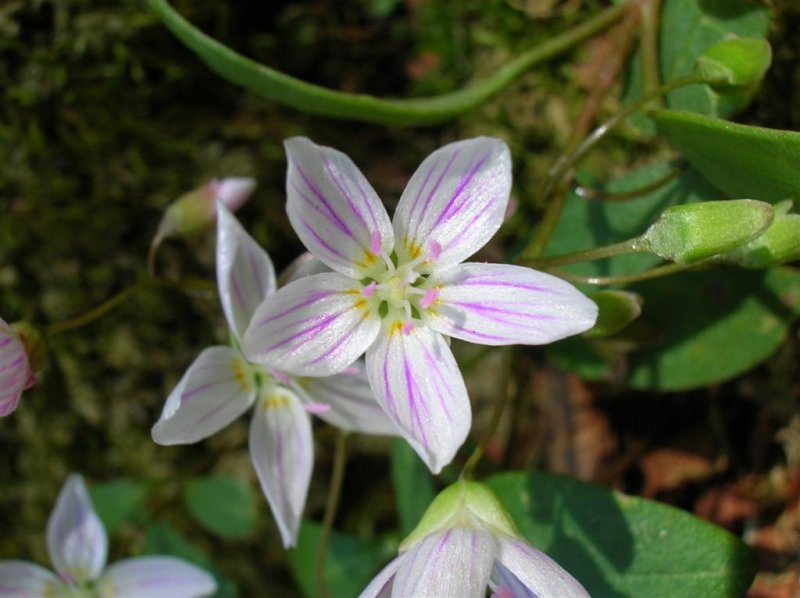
(456, 200)
(453, 562)
(352, 403)
(245, 274)
(417, 382)
(215, 390)
(535, 571)
(498, 304)
(19, 579)
(333, 208)
(315, 326)
(15, 370)
(282, 450)
(76, 540)
(155, 576)
(381, 585)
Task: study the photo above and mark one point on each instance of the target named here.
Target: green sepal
(779, 244)
(734, 64)
(617, 310)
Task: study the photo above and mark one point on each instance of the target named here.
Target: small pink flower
(16, 374)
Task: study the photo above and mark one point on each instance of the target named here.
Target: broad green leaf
(618, 545)
(117, 501)
(163, 539)
(307, 97)
(350, 563)
(225, 506)
(413, 485)
(743, 161)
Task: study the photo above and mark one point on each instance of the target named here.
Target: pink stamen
(375, 242)
(408, 326)
(369, 289)
(280, 377)
(351, 371)
(317, 408)
(430, 297)
(434, 250)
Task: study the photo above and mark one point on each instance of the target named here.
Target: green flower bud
(617, 310)
(691, 232)
(33, 342)
(735, 63)
(780, 243)
(464, 504)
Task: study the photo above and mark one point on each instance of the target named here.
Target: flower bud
(464, 504)
(16, 373)
(691, 232)
(617, 310)
(779, 244)
(734, 64)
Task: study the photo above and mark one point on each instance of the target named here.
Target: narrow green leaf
(413, 485)
(618, 545)
(224, 506)
(274, 85)
(743, 161)
(117, 501)
(350, 563)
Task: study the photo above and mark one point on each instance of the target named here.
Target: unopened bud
(617, 310)
(695, 231)
(16, 373)
(735, 63)
(779, 244)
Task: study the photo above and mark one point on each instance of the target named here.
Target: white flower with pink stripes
(221, 385)
(16, 374)
(399, 289)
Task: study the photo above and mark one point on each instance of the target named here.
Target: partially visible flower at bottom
(465, 543)
(78, 547)
(16, 374)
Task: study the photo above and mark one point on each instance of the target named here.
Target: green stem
(334, 493)
(648, 47)
(585, 255)
(102, 309)
(657, 272)
(307, 97)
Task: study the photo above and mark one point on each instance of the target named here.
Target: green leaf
(413, 485)
(307, 97)
(117, 501)
(163, 539)
(743, 161)
(350, 563)
(224, 506)
(618, 545)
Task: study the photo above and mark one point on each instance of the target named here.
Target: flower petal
(245, 274)
(352, 403)
(463, 186)
(19, 579)
(381, 584)
(76, 540)
(417, 382)
(534, 570)
(155, 576)
(15, 371)
(233, 191)
(498, 304)
(333, 208)
(315, 326)
(215, 390)
(453, 562)
(282, 450)
(302, 266)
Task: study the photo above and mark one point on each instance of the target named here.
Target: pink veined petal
(333, 208)
(453, 562)
(20, 579)
(455, 201)
(245, 274)
(282, 450)
(214, 391)
(155, 576)
(381, 584)
(352, 403)
(15, 371)
(498, 304)
(417, 382)
(315, 326)
(536, 571)
(76, 540)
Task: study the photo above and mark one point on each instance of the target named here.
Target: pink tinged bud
(16, 373)
(375, 242)
(233, 191)
(429, 299)
(434, 250)
(369, 289)
(408, 327)
(317, 408)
